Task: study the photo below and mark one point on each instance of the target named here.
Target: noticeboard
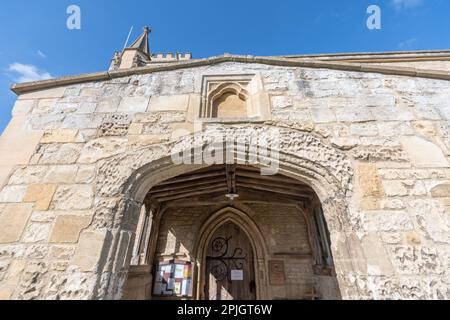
(173, 279)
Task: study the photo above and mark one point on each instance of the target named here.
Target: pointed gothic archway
(126, 179)
(285, 210)
(229, 265)
(253, 249)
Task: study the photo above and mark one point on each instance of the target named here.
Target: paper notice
(237, 275)
(179, 271)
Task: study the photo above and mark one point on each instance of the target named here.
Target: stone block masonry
(69, 151)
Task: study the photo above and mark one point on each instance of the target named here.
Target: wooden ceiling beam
(163, 194)
(191, 184)
(231, 178)
(248, 195)
(193, 194)
(269, 183)
(270, 189)
(277, 178)
(192, 178)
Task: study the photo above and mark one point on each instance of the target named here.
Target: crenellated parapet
(171, 57)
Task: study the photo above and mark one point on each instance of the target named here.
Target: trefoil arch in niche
(234, 97)
(229, 100)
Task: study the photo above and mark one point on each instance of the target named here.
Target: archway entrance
(321, 174)
(227, 232)
(230, 269)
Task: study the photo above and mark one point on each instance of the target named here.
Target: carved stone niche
(234, 98)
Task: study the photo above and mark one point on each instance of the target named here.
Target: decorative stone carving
(115, 125)
(116, 171)
(234, 97)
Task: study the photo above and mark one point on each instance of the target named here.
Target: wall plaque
(277, 273)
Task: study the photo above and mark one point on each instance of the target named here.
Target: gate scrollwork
(221, 263)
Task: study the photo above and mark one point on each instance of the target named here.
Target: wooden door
(230, 270)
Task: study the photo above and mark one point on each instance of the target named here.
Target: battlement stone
(169, 57)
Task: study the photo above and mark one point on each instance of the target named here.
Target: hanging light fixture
(232, 196)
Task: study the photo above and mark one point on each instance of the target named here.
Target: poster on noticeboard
(173, 279)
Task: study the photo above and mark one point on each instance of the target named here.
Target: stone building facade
(93, 205)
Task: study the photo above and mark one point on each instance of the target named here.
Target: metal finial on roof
(142, 43)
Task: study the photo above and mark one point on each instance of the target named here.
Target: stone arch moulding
(260, 251)
(248, 88)
(124, 180)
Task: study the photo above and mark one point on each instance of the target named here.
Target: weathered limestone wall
(428, 65)
(57, 226)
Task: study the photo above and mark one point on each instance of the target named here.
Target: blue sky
(37, 45)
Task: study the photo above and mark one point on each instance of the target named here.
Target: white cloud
(41, 54)
(28, 73)
(406, 4)
(407, 44)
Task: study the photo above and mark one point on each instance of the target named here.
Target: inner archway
(229, 265)
(277, 220)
